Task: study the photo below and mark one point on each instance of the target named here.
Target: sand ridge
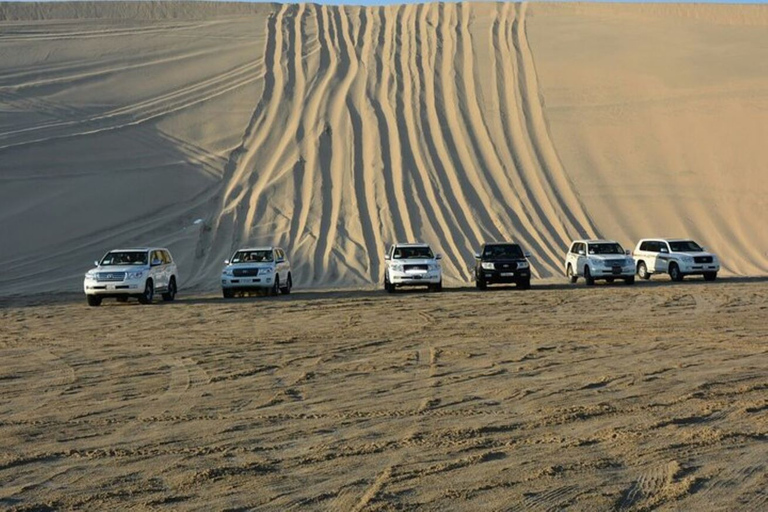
(333, 131)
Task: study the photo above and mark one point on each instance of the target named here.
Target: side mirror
(477, 255)
(526, 254)
(664, 250)
(96, 262)
(386, 257)
(226, 262)
(627, 252)
(438, 256)
(581, 252)
(156, 263)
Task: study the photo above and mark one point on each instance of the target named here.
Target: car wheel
(588, 277)
(122, 299)
(642, 271)
(629, 280)
(674, 272)
(481, 283)
(389, 287)
(438, 287)
(93, 300)
(524, 285)
(710, 276)
(571, 276)
(275, 287)
(227, 293)
(171, 293)
(149, 293)
(288, 285)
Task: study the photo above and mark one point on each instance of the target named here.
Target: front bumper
(415, 278)
(699, 268)
(506, 276)
(247, 282)
(613, 272)
(114, 288)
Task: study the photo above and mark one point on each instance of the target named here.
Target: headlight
(266, 270)
(523, 264)
(629, 262)
(135, 275)
(487, 265)
(227, 272)
(687, 259)
(434, 267)
(91, 274)
(397, 267)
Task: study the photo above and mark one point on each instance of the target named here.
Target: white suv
(125, 273)
(257, 268)
(678, 257)
(599, 259)
(412, 265)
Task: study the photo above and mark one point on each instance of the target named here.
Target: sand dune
(334, 131)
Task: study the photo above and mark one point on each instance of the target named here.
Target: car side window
(166, 257)
(645, 246)
(663, 247)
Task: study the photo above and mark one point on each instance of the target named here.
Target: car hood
(694, 253)
(415, 261)
(121, 268)
(608, 257)
(504, 260)
(250, 265)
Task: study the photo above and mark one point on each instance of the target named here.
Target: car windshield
(685, 246)
(407, 253)
(264, 256)
(605, 249)
(503, 251)
(124, 258)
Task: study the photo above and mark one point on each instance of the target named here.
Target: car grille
(614, 263)
(406, 268)
(241, 272)
(110, 276)
(702, 259)
(505, 266)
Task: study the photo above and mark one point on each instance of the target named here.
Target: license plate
(507, 274)
(415, 277)
(617, 270)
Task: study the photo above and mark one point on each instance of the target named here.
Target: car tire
(149, 293)
(437, 287)
(481, 283)
(122, 299)
(674, 272)
(171, 293)
(571, 276)
(389, 287)
(227, 293)
(629, 280)
(288, 285)
(275, 290)
(642, 271)
(588, 277)
(93, 300)
(710, 276)
(524, 285)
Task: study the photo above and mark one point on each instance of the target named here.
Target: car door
(662, 257)
(158, 271)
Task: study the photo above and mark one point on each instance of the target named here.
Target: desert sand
(332, 132)
(604, 398)
(335, 131)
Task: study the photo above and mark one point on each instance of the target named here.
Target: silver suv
(125, 273)
(412, 265)
(256, 269)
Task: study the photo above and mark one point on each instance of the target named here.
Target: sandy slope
(608, 398)
(334, 131)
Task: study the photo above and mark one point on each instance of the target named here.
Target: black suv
(502, 263)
